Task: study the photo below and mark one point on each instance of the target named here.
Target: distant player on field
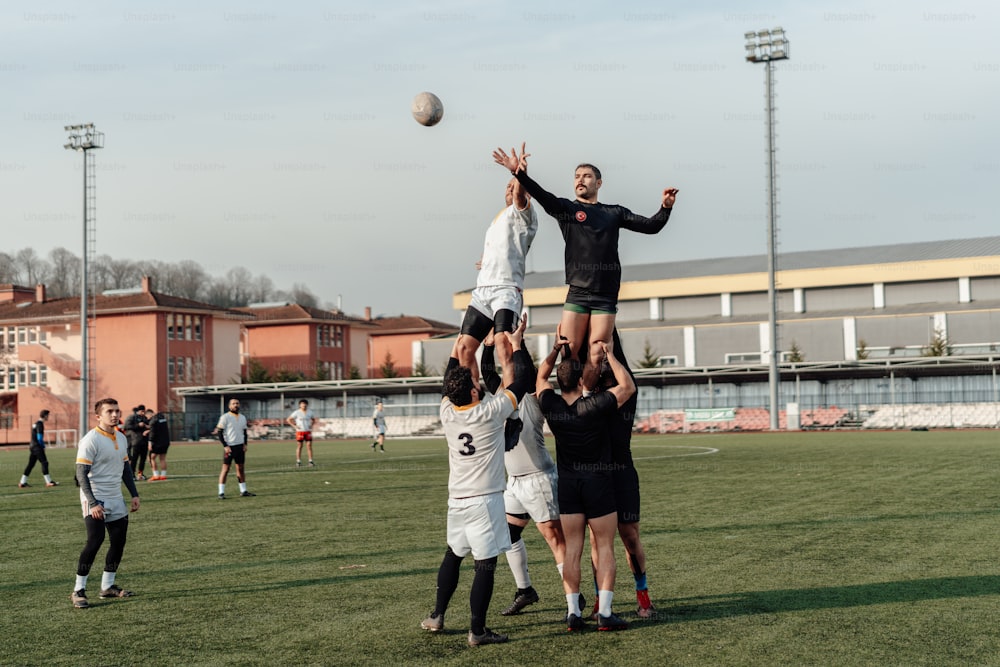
(497, 299)
(159, 443)
(38, 452)
(302, 420)
(232, 429)
(378, 421)
(474, 428)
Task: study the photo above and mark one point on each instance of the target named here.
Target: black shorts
(592, 495)
(579, 300)
(627, 495)
(478, 325)
(159, 449)
(237, 454)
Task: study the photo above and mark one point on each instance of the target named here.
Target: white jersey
(529, 455)
(475, 434)
(106, 454)
(379, 417)
(303, 420)
(508, 240)
(233, 427)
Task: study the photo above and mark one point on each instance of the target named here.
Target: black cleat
(612, 622)
(247, 494)
(521, 600)
(488, 637)
(574, 623)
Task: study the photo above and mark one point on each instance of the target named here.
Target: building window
(189, 370)
(32, 335)
(43, 376)
(170, 326)
(743, 358)
(187, 328)
(197, 327)
(22, 376)
(340, 336)
(666, 361)
(11, 377)
(22, 335)
(170, 369)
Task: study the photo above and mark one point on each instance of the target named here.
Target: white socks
(604, 602)
(243, 487)
(81, 582)
(517, 558)
(107, 580)
(573, 603)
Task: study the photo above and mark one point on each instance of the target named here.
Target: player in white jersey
(232, 430)
(302, 420)
(378, 421)
(474, 430)
(497, 299)
(531, 485)
(101, 467)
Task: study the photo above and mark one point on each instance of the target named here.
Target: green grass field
(785, 549)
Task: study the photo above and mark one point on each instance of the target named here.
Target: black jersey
(591, 235)
(38, 434)
(580, 430)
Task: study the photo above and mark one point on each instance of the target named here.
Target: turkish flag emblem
(581, 216)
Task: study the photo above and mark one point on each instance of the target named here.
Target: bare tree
(32, 269)
(65, 278)
(8, 272)
(261, 289)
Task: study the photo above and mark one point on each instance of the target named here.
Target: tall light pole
(86, 138)
(766, 46)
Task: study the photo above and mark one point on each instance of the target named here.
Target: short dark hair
(568, 373)
(587, 165)
(458, 386)
(302, 400)
(140, 408)
(103, 401)
(43, 414)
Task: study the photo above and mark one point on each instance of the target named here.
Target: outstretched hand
(669, 197)
(512, 162)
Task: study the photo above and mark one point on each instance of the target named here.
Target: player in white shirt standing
(378, 420)
(101, 467)
(497, 300)
(302, 420)
(232, 429)
(474, 428)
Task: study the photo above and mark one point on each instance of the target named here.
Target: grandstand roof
(988, 246)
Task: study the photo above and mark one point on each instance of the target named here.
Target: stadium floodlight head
(766, 45)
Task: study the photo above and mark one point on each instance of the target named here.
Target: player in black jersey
(593, 269)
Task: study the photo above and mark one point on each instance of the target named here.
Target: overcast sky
(278, 136)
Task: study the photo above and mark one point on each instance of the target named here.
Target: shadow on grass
(831, 597)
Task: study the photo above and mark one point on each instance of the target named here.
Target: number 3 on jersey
(467, 448)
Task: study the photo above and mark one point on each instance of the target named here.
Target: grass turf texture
(805, 548)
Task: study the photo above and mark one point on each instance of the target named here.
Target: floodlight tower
(86, 138)
(766, 46)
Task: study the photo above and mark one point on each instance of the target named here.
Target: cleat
(612, 622)
(645, 608)
(574, 623)
(521, 600)
(433, 623)
(23, 486)
(79, 599)
(140, 476)
(312, 465)
(52, 483)
(222, 496)
(247, 494)
(116, 592)
(298, 464)
(488, 637)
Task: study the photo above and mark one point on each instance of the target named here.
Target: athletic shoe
(645, 608)
(521, 600)
(298, 464)
(488, 637)
(383, 451)
(222, 496)
(52, 483)
(434, 622)
(79, 599)
(312, 465)
(574, 623)
(140, 476)
(116, 592)
(247, 494)
(23, 486)
(612, 622)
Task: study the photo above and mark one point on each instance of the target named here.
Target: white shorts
(478, 525)
(114, 509)
(489, 300)
(536, 495)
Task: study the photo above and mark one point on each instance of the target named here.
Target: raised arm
(637, 223)
(625, 387)
(548, 363)
(488, 367)
(522, 369)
